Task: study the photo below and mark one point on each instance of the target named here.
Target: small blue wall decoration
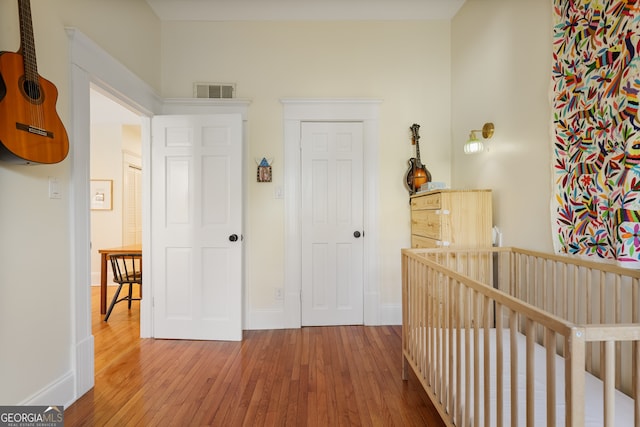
(264, 170)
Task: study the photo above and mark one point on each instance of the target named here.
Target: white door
(332, 219)
(196, 256)
(132, 205)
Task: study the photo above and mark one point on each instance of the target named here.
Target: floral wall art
(596, 129)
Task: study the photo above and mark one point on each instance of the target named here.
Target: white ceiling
(314, 10)
(103, 111)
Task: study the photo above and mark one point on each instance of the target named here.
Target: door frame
(91, 66)
(296, 111)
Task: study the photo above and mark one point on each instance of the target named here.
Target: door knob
(356, 234)
(233, 238)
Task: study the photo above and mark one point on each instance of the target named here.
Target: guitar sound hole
(32, 89)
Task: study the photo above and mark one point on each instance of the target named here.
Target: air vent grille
(214, 90)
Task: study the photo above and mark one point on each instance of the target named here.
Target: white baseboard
(85, 361)
(58, 393)
(265, 319)
(391, 314)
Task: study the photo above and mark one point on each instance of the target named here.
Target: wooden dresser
(451, 218)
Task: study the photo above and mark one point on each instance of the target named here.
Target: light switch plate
(54, 188)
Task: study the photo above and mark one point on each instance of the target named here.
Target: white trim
(208, 106)
(91, 65)
(263, 319)
(295, 112)
(58, 393)
(391, 314)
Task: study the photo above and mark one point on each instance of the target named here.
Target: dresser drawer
(431, 201)
(423, 242)
(426, 223)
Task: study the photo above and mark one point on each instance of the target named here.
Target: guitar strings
(31, 84)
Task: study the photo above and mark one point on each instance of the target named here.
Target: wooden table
(129, 249)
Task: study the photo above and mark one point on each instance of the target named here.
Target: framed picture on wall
(101, 192)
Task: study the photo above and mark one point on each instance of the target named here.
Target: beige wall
(36, 293)
(405, 64)
(501, 63)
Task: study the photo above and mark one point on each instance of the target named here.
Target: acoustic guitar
(417, 174)
(30, 129)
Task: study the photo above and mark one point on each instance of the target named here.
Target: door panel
(332, 210)
(197, 205)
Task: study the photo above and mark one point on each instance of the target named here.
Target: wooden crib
(504, 336)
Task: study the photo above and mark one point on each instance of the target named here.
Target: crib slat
(437, 332)
(459, 325)
(499, 367)
(575, 293)
(530, 371)
(487, 362)
(445, 338)
(636, 384)
(431, 307)
(550, 340)
(467, 358)
(476, 359)
(589, 313)
(565, 289)
(513, 329)
(609, 386)
(618, 344)
(450, 345)
(603, 313)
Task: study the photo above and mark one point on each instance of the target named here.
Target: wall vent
(214, 90)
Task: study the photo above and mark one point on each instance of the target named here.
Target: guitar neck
(27, 42)
(415, 128)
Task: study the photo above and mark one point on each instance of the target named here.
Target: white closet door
(196, 226)
(332, 218)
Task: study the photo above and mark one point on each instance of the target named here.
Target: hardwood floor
(321, 376)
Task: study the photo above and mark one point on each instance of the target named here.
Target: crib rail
(453, 301)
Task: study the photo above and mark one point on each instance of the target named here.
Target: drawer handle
(442, 212)
(443, 243)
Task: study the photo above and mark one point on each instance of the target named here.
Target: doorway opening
(115, 171)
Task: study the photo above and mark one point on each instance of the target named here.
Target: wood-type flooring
(317, 376)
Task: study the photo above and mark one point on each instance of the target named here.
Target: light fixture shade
(473, 145)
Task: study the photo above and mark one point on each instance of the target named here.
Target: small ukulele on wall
(30, 129)
(417, 174)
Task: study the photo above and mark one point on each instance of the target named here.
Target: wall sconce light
(474, 145)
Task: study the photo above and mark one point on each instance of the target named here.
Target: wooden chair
(127, 269)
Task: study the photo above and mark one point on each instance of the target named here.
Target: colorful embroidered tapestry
(596, 80)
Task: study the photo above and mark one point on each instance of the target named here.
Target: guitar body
(30, 129)
(416, 175)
